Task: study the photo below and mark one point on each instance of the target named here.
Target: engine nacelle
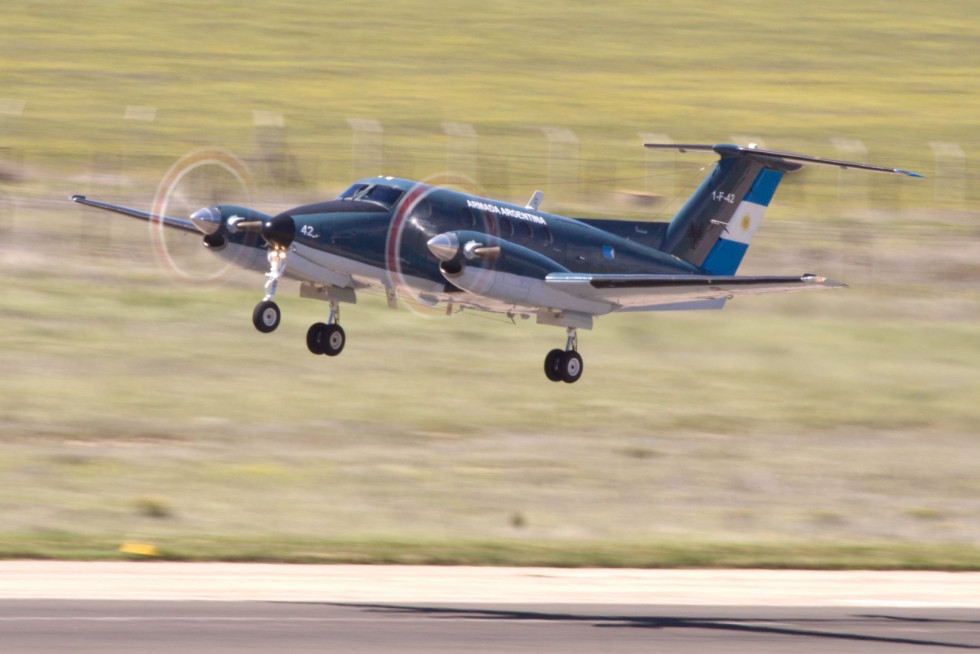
(492, 267)
(218, 222)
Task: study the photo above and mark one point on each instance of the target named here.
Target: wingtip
(76, 197)
(823, 281)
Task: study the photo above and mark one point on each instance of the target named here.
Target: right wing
(639, 292)
(177, 223)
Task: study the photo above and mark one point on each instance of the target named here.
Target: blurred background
(137, 402)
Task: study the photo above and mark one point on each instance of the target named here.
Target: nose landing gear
(564, 365)
(266, 315)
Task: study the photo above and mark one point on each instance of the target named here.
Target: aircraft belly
(524, 292)
(325, 268)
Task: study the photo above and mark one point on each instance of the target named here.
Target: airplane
(445, 247)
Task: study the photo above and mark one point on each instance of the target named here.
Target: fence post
(950, 175)
(653, 161)
(367, 147)
(562, 159)
(461, 149)
(849, 186)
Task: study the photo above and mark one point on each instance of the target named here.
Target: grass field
(832, 430)
(835, 429)
(896, 75)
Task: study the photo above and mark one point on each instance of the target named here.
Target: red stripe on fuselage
(393, 244)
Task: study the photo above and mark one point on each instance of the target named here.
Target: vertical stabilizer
(715, 226)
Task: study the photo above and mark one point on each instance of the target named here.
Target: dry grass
(134, 407)
(828, 430)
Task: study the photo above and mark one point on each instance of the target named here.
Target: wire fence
(878, 228)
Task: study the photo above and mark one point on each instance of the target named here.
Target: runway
(51, 626)
(176, 607)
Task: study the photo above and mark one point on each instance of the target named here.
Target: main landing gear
(327, 338)
(564, 365)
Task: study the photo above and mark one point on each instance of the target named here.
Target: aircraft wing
(177, 223)
(650, 291)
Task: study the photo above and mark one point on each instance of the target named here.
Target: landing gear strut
(564, 365)
(266, 315)
(327, 338)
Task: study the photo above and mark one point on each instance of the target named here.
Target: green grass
(826, 430)
(896, 75)
(832, 430)
(382, 551)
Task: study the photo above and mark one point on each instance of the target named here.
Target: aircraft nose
(444, 246)
(207, 220)
(280, 230)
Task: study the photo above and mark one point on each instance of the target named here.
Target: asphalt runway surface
(189, 608)
(167, 626)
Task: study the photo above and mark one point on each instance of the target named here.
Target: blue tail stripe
(724, 257)
(764, 187)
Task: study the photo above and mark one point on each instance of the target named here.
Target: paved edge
(119, 580)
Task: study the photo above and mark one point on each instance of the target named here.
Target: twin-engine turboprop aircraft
(445, 247)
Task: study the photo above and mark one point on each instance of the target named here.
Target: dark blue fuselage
(393, 235)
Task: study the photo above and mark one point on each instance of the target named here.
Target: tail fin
(715, 226)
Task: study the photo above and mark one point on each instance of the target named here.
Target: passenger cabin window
(523, 230)
(506, 229)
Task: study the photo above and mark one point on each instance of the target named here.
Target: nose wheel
(266, 316)
(327, 338)
(564, 365)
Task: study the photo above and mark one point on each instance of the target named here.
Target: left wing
(650, 291)
(169, 221)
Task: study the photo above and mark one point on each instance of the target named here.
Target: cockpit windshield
(383, 195)
(352, 192)
(386, 196)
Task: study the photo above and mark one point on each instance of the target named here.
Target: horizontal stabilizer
(786, 161)
(648, 291)
(177, 223)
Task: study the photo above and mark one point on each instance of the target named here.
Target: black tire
(316, 337)
(571, 367)
(334, 340)
(552, 365)
(266, 316)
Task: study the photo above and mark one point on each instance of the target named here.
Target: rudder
(726, 254)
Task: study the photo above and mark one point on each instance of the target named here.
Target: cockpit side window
(352, 192)
(386, 196)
